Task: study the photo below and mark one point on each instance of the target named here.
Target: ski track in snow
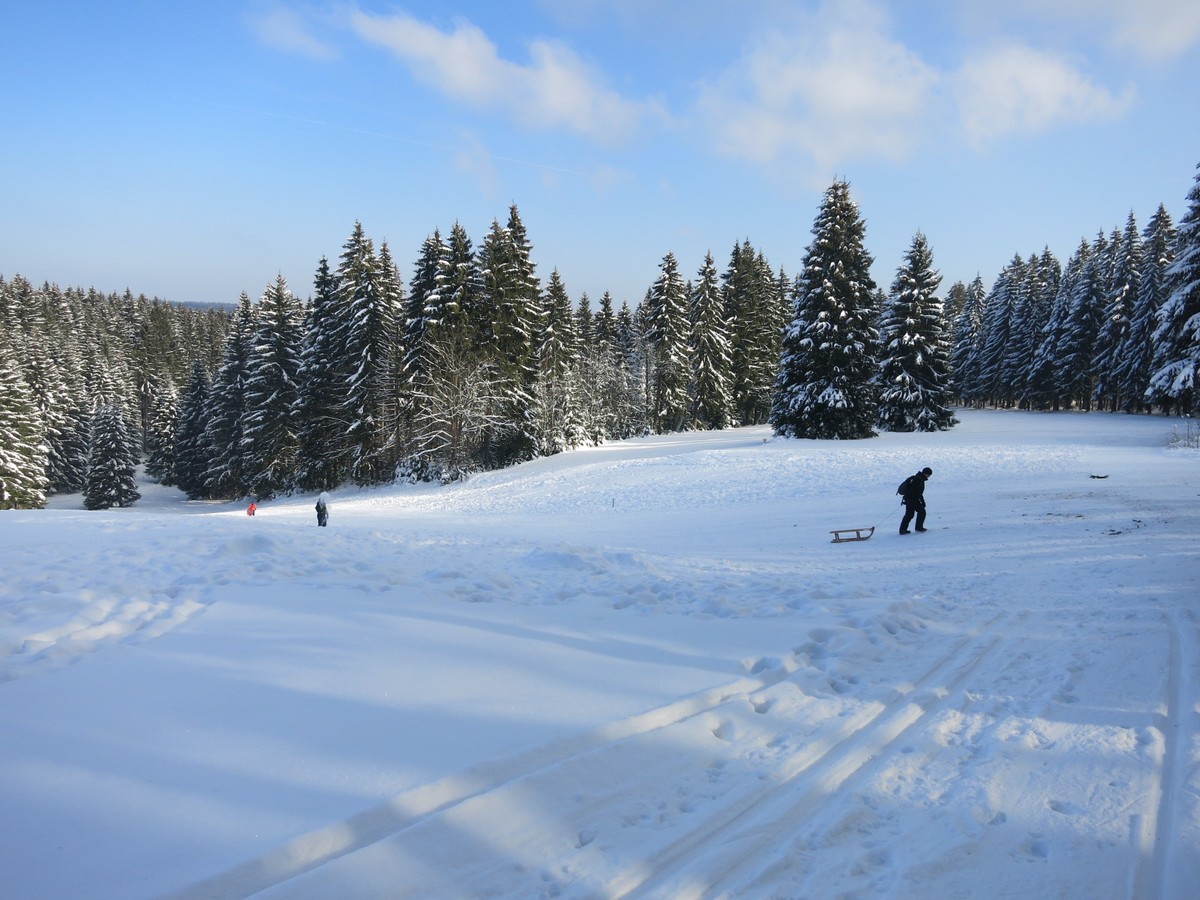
(1010, 731)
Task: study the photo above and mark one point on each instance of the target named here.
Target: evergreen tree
(225, 478)
(825, 388)
(192, 453)
(1075, 351)
(755, 313)
(321, 455)
(1042, 387)
(1158, 251)
(914, 371)
(366, 351)
(160, 435)
(556, 414)
(667, 333)
(23, 448)
(711, 353)
(269, 435)
(987, 361)
(1120, 302)
(1031, 317)
(112, 460)
(967, 327)
(430, 274)
(1176, 364)
(510, 316)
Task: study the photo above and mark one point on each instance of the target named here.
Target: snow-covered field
(635, 670)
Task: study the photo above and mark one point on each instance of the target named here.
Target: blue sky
(191, 151)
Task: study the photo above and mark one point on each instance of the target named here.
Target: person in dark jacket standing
(913, 492)
(323, 509)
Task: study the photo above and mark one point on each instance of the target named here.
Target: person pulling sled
(912, 489)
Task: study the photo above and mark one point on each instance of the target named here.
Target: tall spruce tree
(23, 447)
(1158, 251)
(711, 353)
(160, 436)
(914, 370)
(509, 316)
(269, 435)
(1175, 381)
(225, 479)
(1119, 304)
(558, 423)
(366, 349)
(112, 460)
(826, 385)
(321, 452)
(968, 324)
(667, 334)
(1074, 353)
(192, 454)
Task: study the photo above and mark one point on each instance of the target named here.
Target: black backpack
(905, 485)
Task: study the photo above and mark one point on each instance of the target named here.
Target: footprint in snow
(1065, 808)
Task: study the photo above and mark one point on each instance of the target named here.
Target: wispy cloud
(1155, 30)
(831, 88)
(284, 29)
(1018, 90)
(554, 90)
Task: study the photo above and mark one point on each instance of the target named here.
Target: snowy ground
(636, 670)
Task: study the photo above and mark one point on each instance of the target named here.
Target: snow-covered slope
(635, 670)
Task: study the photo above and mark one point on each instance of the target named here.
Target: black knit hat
(927, 471)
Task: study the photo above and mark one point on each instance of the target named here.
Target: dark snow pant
(917, 508)
(322, 516)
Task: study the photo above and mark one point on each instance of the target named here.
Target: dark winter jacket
(913, 489)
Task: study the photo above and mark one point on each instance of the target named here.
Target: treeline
(476, 364)
(80, 372)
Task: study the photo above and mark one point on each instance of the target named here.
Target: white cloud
(284, 29)
(832, 88)
(1156, 30)
(1014, 89)
(555, 90)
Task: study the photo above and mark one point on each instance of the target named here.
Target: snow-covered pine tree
(1121, 299)
(112, 460)
(755, 320)
(160, 434)
(1158, 251)
(1042, 388)
(1176, 364)
(826, 384)
(366, 352)
(1074, 354)
(424, 293)
(192, 453)
(321, 454)
(23, 448)
(968, 324)
(225, 478)
(1031, 317)
(914, 370)
(667, 333)
(510, 316)
(269, 434)
(711, 353)
(987, 363)
(556, 418)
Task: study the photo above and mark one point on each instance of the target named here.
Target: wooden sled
(843, 535)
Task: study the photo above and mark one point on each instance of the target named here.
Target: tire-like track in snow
(1157, 875)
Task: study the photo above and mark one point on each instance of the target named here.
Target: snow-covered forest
(477, 364)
